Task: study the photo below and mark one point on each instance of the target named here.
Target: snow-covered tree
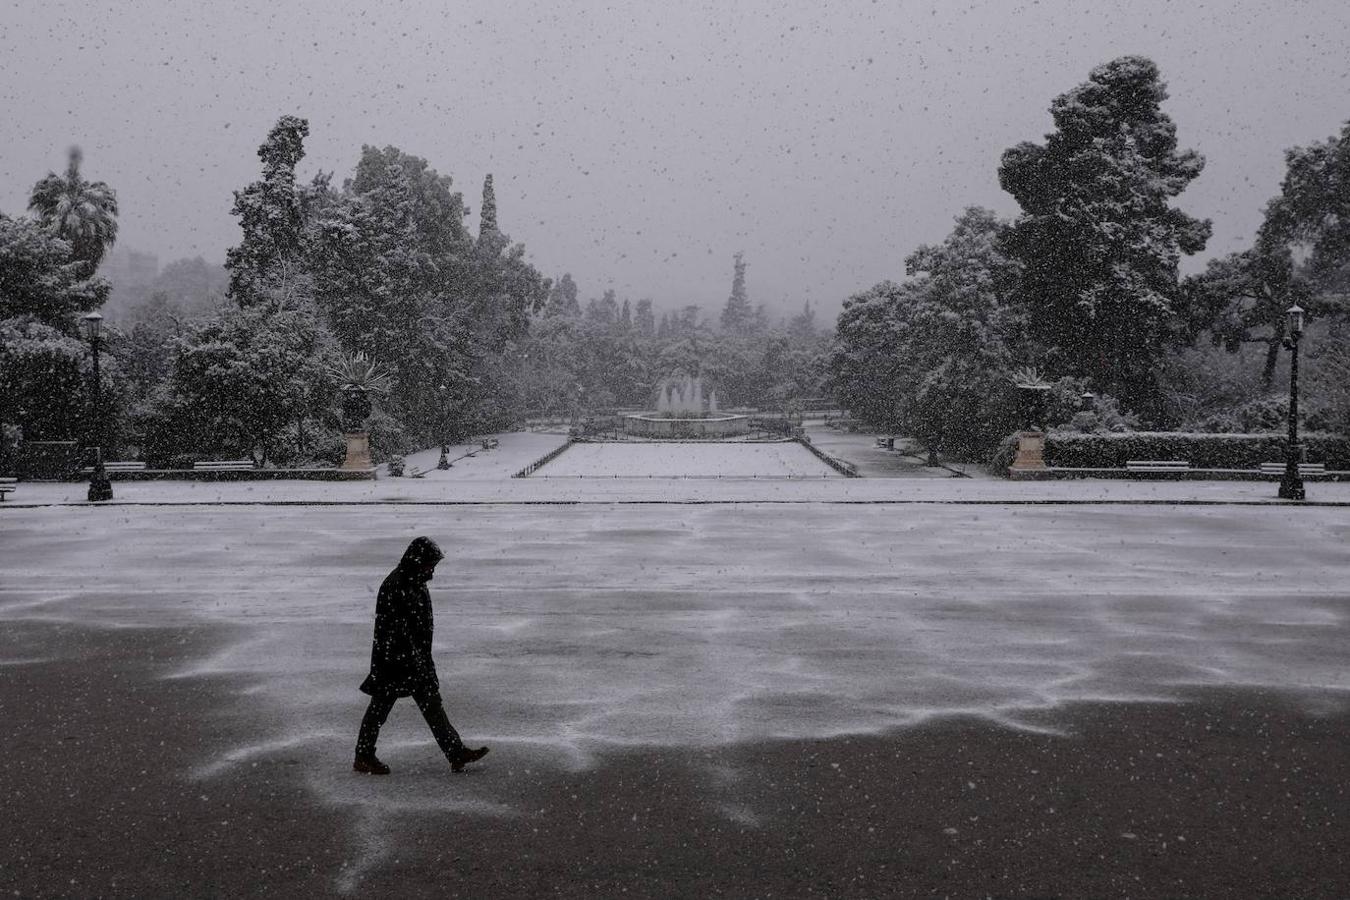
(40, 277)
(737, 315)
(1313, 208)
(1242, 298)
(1099, 241)
(436, 211)
(562, 298)
(267, 265)
(644, 321)
(239, 380)
(803, 325)
(83, 213)
(929, 356)
(487, 211)
(603, 312)
(44, 378)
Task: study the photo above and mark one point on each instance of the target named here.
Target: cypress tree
(736, 315)
(487, 213)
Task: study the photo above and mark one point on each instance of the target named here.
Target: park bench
(222, 465)
(886, 443)
(117, 467)
(7, 485)
(490, 443)
(1277, 468)
(1157, 465)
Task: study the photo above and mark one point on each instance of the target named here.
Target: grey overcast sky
(638, 145)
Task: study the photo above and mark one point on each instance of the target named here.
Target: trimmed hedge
(1203, 451)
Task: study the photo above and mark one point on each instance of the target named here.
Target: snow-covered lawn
(687, 460)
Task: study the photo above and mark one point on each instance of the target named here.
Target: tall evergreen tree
(803, 326)
(1098, 240)
(491, 241)
(737, 314)
(487, 213)
(267, 265)
(605, 311)
(371, 276)
(644, 321)
(562, 298)
(437, 209)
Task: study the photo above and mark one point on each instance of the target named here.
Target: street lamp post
(1291, 485)
(444, 462)
(100, 488)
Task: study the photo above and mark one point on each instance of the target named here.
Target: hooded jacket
(400, 655)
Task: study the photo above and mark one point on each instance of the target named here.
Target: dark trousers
(429, 702)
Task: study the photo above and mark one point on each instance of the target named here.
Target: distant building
(128, 268)
(131, 273)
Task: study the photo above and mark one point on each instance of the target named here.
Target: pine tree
(626, 316)
(1098, 241)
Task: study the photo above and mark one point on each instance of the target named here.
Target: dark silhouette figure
(401, 664)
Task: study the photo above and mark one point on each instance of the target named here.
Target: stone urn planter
(356, 409)
(1032, 390)
(359, 379)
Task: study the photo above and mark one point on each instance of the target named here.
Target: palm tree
(81, 212)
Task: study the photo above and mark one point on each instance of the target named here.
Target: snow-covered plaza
(568, 631)
(582, 619)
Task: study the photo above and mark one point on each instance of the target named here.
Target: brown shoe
(369, 765)
(466, 756)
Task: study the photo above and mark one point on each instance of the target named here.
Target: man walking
(401, 664)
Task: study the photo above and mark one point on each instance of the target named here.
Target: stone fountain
(682, 412)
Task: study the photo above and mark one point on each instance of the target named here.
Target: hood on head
(421, 551)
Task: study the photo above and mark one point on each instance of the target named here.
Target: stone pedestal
(358, 451)
(1030, 452)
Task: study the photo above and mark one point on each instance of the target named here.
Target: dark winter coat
(400, 657)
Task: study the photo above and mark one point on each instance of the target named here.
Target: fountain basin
(668, 426)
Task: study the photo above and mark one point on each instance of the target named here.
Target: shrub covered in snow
(1203, 451)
